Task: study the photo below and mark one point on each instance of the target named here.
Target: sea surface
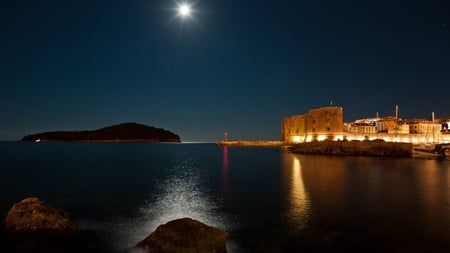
(269, 200)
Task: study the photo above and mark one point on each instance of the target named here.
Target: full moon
(184, 10)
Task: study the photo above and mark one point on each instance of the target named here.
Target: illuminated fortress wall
(326, 123)
(318, 124)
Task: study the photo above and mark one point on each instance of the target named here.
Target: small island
(125, 132)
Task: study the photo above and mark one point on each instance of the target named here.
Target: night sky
(235, 66)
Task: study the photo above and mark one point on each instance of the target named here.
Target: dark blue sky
(236, 66)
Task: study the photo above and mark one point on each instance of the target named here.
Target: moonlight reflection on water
(180, 195)
(268, 200)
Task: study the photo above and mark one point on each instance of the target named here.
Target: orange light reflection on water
(298, 208)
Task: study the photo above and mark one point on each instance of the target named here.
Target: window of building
(314, 129)
(328, 129)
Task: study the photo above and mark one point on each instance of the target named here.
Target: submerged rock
(31, 215)
(185, 235)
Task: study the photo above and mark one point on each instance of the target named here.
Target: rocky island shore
(125, 132)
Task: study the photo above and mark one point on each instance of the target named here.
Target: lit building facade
(396, 130)
(424, 127)
(391, 125)
(360, 128)
(445, 123)
(318, 124)
(326, 123)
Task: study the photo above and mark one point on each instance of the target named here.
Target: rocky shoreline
(354, 148)
(328, 147)
(33, 226)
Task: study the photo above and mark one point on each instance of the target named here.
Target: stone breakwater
(360, 148)
(251, 143)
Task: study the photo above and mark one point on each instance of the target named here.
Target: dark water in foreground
(267, 199)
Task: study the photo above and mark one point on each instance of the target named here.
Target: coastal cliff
(126, 132)
(364, 148)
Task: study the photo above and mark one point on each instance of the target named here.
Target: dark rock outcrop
(31, 215)
(32, 226)
(126, 132)
(185, 235)
(359, 148)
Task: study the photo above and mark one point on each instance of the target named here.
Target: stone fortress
(326, 123)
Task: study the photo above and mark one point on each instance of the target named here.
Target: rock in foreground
(185, 235)
(31, 214)
(32, 226)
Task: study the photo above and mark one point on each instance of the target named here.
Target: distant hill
(126, 132)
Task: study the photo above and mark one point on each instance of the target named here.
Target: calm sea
(267, 199)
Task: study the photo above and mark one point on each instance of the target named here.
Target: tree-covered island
(125, 132)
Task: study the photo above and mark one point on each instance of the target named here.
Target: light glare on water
(297, 212)
(180, 195)
(268, 200)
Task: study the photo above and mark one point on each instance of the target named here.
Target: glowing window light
(338, 137)
(321, 137)
(405, 139)
(296, 139)
(309, 138)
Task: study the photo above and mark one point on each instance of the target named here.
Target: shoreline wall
(364, 148)
(251, 143)
(392, 137)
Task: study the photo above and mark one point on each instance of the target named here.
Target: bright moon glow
(184, 10)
